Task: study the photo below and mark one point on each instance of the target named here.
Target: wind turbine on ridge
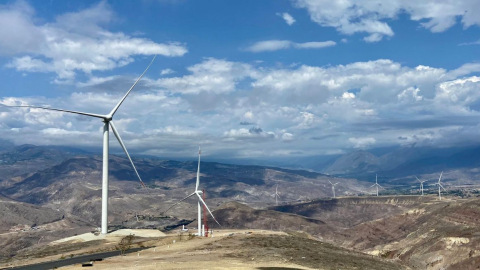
(421, 184)
(200, 200)
(107, 123)
(277, 195)
(376, 184)
(440, 185)
(333, 187)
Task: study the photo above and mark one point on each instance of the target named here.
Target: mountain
(354, 162)
(74, 186)
(24, 215)
(20, 162)
(5, 145)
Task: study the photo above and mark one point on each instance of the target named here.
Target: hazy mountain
(74, 184)
(5, 145)
(354, 162)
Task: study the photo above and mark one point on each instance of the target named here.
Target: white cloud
(461, 93)
(375, 37)
(358, 16)
(362, 142)
(270, 45)
(249, 115)
(314, 45)
(303, 105)
(212, 75)
(167, 71)
(275, 45)
(287, 137)
(410, 94)
(287, 17)
(252, 134)
(470, 43)
(73, 42)
(96, 81)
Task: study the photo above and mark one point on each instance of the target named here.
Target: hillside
(74, 186)
(422, 232)
(23, 215)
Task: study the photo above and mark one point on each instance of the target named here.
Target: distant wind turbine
(107, 123)
(277, 195)
(376, 184)
(421, 184)
(440, 186)
(200, 200)
(333, 187)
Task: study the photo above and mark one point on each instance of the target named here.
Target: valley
(62, 199)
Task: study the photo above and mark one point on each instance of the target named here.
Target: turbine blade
(129, 90)
(373, 185)
(440, 179)
(179, 202)
(418, 179)
(126, 152)
(442, 187)
(200, 198)
(61, 110)
(198, 169)
(330, 182)
(380, 186)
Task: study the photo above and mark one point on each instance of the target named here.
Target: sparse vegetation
(125, 244)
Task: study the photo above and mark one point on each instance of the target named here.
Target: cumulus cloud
(287, 17)
(371, 17)
(299, 104)
(275, 45)
(72, 42)
(212, 75)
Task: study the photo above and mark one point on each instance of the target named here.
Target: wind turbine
(333, 187)
(107, 123)
(440, 186)
(421, 184)
(376, 184)
(200, 200)
(277, 195)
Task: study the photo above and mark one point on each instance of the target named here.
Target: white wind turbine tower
(333, 187)
(376, 184)
(200, 200)
(107, 122)
(421, 184)
(440, 186)
(277, 195)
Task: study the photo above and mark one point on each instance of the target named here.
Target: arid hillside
(421, 232)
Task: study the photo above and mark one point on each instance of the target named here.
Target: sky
(243, 79)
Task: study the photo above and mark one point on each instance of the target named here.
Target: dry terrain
(421, 232)
(229, 249)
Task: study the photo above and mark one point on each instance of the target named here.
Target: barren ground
(239, 249)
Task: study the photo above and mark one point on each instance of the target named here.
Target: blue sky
(305, 77)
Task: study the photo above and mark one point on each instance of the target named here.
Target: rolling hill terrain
(421, 232)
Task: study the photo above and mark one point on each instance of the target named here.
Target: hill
(422, 232)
